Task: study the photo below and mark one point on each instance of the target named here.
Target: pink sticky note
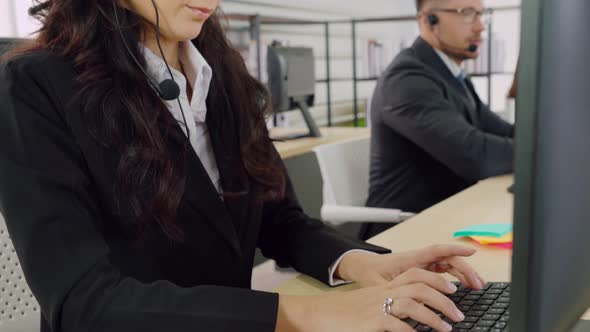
(502, 245)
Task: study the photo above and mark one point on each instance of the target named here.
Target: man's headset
(434, 20)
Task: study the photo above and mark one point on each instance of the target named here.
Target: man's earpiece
(432, 19)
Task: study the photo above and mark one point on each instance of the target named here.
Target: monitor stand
(314, 131)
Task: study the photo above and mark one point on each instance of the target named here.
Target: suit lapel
(471, 89)
(428, 56)
(227, 155)
(202, 195)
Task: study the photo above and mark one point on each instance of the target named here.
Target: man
(431, 134)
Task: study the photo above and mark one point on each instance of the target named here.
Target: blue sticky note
(495, 230)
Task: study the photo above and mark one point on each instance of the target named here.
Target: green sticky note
(495, 230)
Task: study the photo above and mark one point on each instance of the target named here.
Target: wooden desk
(300, 146)
(485, 203)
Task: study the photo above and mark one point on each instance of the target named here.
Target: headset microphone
(168, 89)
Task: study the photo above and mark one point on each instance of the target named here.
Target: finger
(431, 297)
(472, 278)
(457, 274)
(439, 252)
(391, 323)
(405, 307)
(429, 278)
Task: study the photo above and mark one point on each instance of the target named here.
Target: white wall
(7, 21)
(16, 23)
(15, 20)
(506, 27)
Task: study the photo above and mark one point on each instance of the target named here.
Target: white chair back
(345, 172)
(19, 311)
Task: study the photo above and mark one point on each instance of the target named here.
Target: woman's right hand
(413, 292)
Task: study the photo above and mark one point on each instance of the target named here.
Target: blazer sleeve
(47, 202)
(493, 124)
(292, 238)
(415, 107)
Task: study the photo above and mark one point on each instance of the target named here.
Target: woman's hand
(413, 293)
(368, 269)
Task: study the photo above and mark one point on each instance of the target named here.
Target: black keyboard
(486, 310)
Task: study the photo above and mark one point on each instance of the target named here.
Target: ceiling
(313, 9)
(329, 8)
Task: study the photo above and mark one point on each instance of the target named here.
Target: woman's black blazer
(57, 197)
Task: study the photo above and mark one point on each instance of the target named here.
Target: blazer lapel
(232, 174)
(202, 195)
(427, 54)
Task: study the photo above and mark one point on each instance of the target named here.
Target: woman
(133, 213)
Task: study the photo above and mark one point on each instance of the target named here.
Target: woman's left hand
(368, 269)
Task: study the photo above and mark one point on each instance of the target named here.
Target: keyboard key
(455, 298)
(477, 292)
(488, 296)
(480, 329)
(462, 288)
(411, 322)
(485, 302)
(464, 308)
(471, 297)
(488, 323)
(504, 299)
(501, 305)
(475, 313)
(500, 325)
(467, 302)
(504, 318)
(500, 285)
(481, 307)
(464, 325)
(494, 291)
(423, 328)
(471, 319)
(498, 311)
(491, 316)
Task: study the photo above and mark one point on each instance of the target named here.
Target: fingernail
(481, 285)
(446, 326)
(459, 315)
(451, 287)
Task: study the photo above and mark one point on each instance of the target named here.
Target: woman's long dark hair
(132, 119)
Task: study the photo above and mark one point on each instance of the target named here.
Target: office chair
(344, 167)
(19, 311)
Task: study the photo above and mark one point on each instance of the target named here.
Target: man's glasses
(469, 15)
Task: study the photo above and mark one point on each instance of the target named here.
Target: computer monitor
(551, 261)
(291, 81)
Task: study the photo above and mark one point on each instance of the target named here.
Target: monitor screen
(291, 76)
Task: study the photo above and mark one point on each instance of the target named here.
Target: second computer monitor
(551, 262)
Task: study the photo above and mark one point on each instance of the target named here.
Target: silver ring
(387, 304)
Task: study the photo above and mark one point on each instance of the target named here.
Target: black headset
(432, 19)
(168, 89)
